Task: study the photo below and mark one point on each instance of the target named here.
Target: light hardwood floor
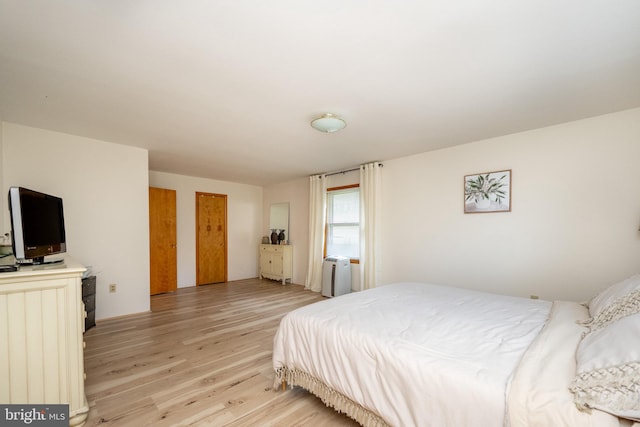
(201, 357)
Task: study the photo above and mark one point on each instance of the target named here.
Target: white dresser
(276, 262)
(41, 325)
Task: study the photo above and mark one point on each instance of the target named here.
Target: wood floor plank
(201, 357)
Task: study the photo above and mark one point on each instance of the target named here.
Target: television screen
(37, 224)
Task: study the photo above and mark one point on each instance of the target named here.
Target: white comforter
(415, 354)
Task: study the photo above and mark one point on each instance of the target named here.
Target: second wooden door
(211, 238)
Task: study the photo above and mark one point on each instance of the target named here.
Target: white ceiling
(226, 89)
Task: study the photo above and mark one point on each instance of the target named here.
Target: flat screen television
(37, 225)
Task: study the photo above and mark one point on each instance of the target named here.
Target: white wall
(244, 228)
(104, 187)
(572, 231)
(573, 228)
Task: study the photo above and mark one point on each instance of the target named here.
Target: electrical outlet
(530, 296)
(112, 287)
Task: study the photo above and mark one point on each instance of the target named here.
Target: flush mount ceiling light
(328, 123)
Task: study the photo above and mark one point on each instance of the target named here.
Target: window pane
(344, 240)
(343, 223)
(345, 207)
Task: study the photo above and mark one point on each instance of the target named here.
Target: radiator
(336, 276)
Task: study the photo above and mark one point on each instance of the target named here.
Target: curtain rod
(348, 170)
(339, 172)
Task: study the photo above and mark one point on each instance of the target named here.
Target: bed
(412, 354)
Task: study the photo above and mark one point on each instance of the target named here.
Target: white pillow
(612, 293)
(617, 301)
(608, 369)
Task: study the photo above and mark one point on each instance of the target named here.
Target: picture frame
(487, 192)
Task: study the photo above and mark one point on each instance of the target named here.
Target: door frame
(226, 239)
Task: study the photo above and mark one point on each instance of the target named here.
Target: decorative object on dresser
(279, 221)
(5, 245)
(276, 262)
(41, 323)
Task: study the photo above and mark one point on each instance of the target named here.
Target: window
(343, 222)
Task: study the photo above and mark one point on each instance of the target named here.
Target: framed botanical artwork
(487, 192)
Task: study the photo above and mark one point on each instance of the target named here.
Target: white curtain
(370, 189)
(317, 215)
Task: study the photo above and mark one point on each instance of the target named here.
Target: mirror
(279, 219)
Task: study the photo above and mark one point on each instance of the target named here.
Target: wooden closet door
(162, 241)
(211, 238)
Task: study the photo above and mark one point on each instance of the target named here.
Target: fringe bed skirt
(329, 396)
